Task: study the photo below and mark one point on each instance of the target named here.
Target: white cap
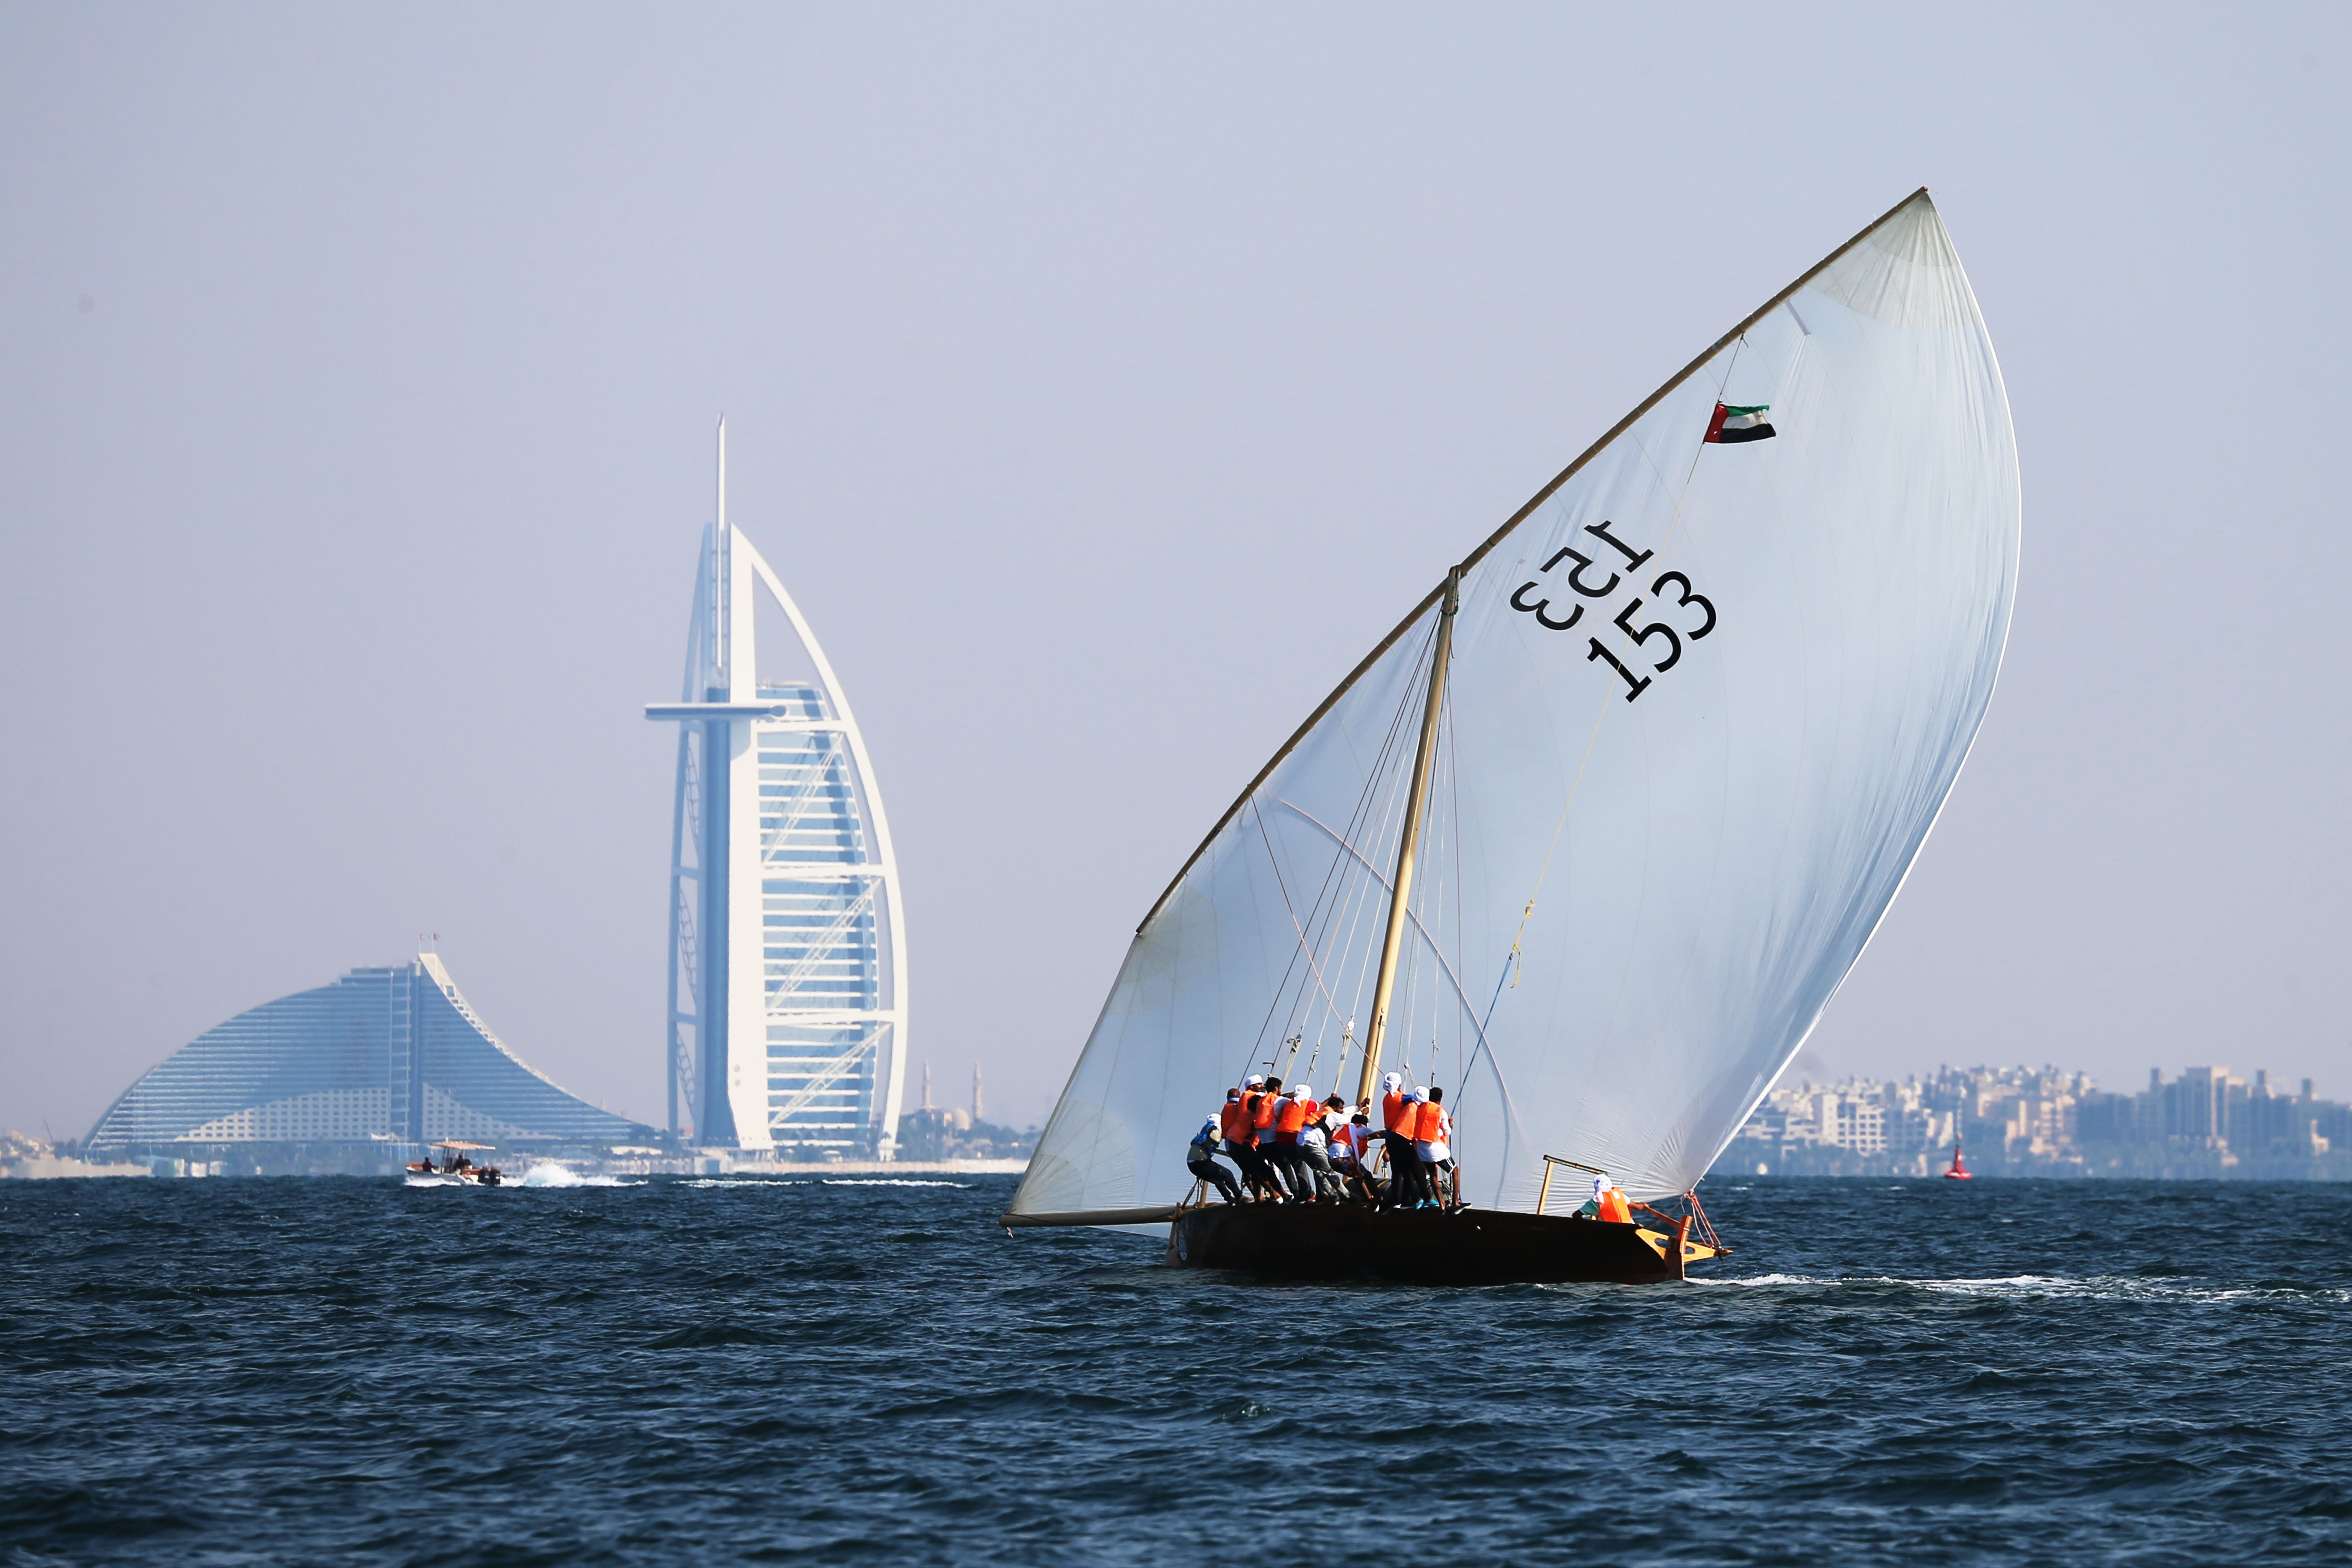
(1254, 1080)
(1420, 1096)
(1302, 1092)
(1392, 1081)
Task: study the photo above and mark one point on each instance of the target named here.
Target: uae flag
(1737, 422)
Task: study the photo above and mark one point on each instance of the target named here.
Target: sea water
(743, 1370)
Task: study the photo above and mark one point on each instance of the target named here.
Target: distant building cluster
(2027, 1122)
(934, 1135)
(933, 1132)
(24, 1155)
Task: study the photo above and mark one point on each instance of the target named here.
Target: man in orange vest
(1433, 1145)
(1289, 1121)
(1265, 1110)
(1241, 1146)
(1351, 1146)
(1404, 1166)
(1311, 1156)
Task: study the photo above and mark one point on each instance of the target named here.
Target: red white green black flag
(1735, 422)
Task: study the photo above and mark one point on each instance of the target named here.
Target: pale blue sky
(1103, 381)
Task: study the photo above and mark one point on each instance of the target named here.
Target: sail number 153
(1670, 590)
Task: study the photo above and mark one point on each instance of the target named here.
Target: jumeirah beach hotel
(348, 1076)
(787, 940)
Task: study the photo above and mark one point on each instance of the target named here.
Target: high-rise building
(787, 946)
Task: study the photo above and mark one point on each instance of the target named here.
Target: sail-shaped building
(787, 1029)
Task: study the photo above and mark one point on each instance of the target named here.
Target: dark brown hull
(1419, 1246)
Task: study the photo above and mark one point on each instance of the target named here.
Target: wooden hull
(1419, 1246)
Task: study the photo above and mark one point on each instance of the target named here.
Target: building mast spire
(1409, 845)
(722, 585)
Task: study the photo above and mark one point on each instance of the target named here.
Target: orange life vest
(1290, 1119)
(1428, 1122)
(1393, 1112)
(1233, 1120)
(1262, 1110)
(1614, 1206)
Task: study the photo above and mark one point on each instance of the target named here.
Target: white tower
(788, 941)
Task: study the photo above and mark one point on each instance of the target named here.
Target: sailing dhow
(1593, 835)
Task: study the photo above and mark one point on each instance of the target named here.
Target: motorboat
(458, 1168)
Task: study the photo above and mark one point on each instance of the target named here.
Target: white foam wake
(889, 1182)
(547, 1173)
(2049, 1287)
(741, 1182)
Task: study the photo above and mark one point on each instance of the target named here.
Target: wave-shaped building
(389, 1058)
(787, 950)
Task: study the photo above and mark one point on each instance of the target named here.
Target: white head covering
(1420, 1096)
(1392, 1081)
(1254, 1080)
(1600, 1185)
(1302, 1092)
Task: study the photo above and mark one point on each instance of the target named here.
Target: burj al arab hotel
(787, 939)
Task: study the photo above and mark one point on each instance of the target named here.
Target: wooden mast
(1408, 845)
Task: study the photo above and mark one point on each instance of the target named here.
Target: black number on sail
(1575, 612)
(1600, 530)
(1688, 598)
(1576, 578)
(1636, 687)
(1624, 623)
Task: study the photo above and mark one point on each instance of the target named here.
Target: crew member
(1199, 1158)
(1265, 1112)
(1608, 1202)
(1351, 1145)
(1289, 1118)
(1433, 1145)
(1404, 1166)
(1314, 1165)
(1241, 1144)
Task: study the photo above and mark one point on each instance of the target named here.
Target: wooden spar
(1409, 843)
(1156, 1215)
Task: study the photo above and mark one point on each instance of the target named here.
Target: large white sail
(1706, 699)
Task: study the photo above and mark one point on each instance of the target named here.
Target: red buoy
(1959, 1172)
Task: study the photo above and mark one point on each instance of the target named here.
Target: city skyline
(2018, 1121)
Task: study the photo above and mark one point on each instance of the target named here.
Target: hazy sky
(1103, 381)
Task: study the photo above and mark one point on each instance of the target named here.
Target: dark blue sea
(704, 1372)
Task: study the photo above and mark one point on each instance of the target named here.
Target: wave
(892, 1182)
(743, 1182)
(547, 1173)
(822, 1181)
(2046, 1287)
